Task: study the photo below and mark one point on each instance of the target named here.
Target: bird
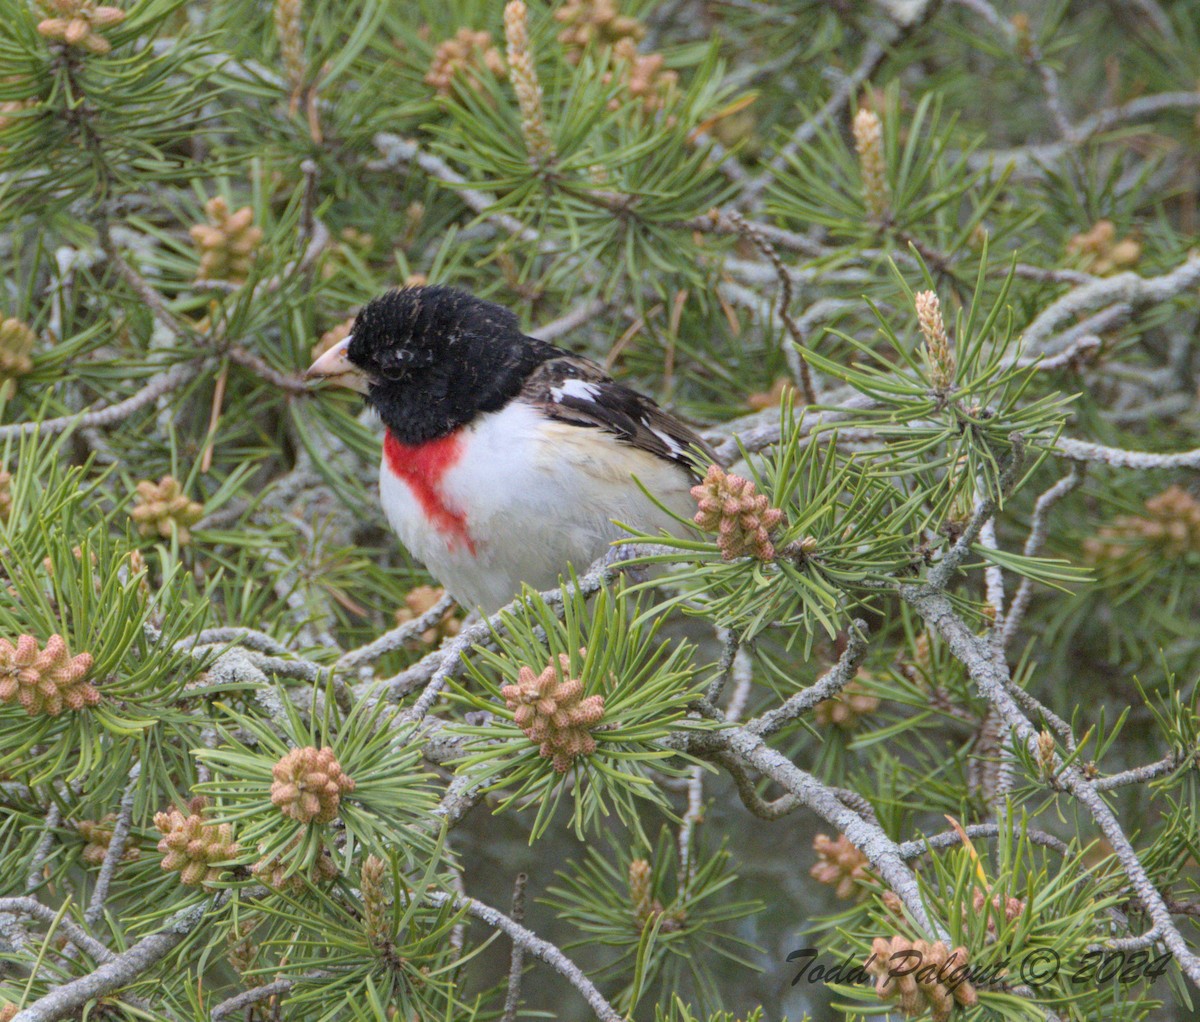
(506, 459)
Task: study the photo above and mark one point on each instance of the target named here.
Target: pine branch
(534, 945)
(121, 970)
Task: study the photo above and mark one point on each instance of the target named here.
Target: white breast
(536, 496)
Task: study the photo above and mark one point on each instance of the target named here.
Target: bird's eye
(396, 364)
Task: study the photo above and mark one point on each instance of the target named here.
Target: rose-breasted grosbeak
(505, 458)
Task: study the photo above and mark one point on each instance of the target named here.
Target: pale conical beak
(336, 367)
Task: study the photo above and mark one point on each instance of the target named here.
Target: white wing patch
(580, 389)
(673, 445)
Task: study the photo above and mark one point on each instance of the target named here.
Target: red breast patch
(421, 467)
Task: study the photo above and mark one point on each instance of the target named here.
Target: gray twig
(116, 848)
(65, 1000)
(826, 687)
(516, 968)
(532, 944)
(1033, 545)
(396, 639)
(75, 933)
(34, 878)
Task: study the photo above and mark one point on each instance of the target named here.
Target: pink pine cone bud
(46, 680)
(742, 519)
(190, 846)
(552, 711)
(308, 785)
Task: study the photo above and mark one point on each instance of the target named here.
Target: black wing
(574, 389)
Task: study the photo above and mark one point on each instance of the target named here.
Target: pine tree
(923, 273)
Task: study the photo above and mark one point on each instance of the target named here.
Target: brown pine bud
(242, 952)
(742, 518)
(5, 495)
(847, 708)
(99, 834)
(464, 60)
(1022, 35)
(938, 352)
(936, 984)
(289, 33)
(1169, 528)
(872, 163)
(595, 24)
(227, 243)
(1045, 753)
(647, 908)
(523, 76)
(16, 350)
(764, 399)
(644, 76)
(77, 23)
(1000, 907)
(374, 890)
(551, 709)
(416, 602)
(309, 785)
(161, 508)
(46, 680)
(840, 864)
(1098, 251)
(274, 872)
(191, 846)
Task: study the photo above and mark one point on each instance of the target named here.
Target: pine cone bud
(847, 708)
(416, 602)
(1170, 528)
(464, 59)
(840, 864)
(242, 952)
(1045, 753)
(742, 518)
(16, 350)
(190, 846)
(162, 508)
(595, 23)
(45, 680)
(551, 709)
(373, 888)
(99, 834)
(939, 355)
(646, 908)
(644, 76)
(291, 41)
(5, 495)
(309, 784)
(936, 984)
(639, 890)
(273, 870)
(1098, 251)
(10, 109)
(227, 243)
(923, 652)
(76, 23)
(1008, 908)
(525, 83)
(764, 399)
(872, 163)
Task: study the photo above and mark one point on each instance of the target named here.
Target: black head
(435, 357)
